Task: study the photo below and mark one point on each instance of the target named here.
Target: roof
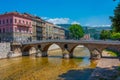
(15, 14)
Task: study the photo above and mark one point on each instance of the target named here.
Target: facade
(62, 33)
(15, 27)
(59, 32)
(53, 31)
(86, 37)
(49, 30)
(38, 27)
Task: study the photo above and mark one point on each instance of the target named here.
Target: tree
(76, 31)
(115, 36)
(116, 19)
(105, 34)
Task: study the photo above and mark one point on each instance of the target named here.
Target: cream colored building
(49, 29)
(59, 32)
(53, 31)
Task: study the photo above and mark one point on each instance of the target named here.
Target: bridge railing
(72, 41)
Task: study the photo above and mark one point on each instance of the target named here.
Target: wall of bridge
(95, 49)
(41, 48)
(4, 50)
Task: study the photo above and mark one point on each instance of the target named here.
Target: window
(26, 22)
(19, 29)
(15, 29)
(19, 21)
(11, 29)
(7, 30)
(15, 20)
(3, 22)
(3, 30)
(0, 30)
(7, 21)
(11, 20)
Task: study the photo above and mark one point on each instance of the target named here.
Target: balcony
(23, 25)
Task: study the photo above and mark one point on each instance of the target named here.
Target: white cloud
(87, 25)
(105, 25)
(45, 18)
(75, 22)
(59, 20)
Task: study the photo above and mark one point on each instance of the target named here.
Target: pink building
(15, 27)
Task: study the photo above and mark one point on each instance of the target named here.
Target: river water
(48, 68)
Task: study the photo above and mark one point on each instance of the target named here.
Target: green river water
(52, 67)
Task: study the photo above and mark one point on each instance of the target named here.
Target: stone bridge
(40, 48)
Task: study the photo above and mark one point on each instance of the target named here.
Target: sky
(84, 12)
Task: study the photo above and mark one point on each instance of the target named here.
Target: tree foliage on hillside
(116, 19)
(115, 33)
(115, 36)
(105, 34)
(76, 31)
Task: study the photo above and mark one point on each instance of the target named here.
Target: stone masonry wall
(4, 50)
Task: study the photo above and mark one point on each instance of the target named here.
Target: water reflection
(50, 68)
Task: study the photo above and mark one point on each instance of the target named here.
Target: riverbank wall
(4, 50)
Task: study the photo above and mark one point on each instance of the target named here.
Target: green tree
(116, 19)
(115, 36)
(105, 34)
(76, 31)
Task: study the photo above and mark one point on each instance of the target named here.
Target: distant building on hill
(94, 31)
(87, 37)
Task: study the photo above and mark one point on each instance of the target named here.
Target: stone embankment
(107, 69)
(4, 50)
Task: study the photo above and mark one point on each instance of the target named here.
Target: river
(53, 67)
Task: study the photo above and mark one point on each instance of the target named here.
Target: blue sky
(85, 12)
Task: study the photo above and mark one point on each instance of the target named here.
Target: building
(38, 27)
(59, 32)
(49, 30)
(86, 37)
(15, 27)
(53, 31)
(66, 30)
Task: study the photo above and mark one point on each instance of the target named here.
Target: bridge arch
(49, 44)
(28, 50)
(82, 46)
(52, 45)
(111, 51)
